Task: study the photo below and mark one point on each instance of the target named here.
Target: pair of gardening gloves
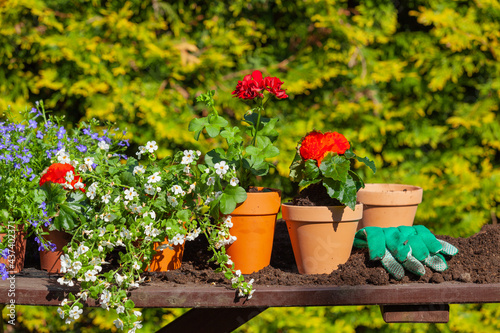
(405, 248)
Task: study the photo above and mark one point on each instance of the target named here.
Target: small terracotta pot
(389, 205)
(15, 264)
(167, 259)
(321, 236)
(254, 222)
(51, 261)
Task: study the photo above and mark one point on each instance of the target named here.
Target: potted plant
(322, 231)
(389, 205)
(28, 141)
(247, 151)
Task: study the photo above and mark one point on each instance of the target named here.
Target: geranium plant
(327, 159)
(248, 147)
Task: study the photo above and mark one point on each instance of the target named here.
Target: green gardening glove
(405, 248)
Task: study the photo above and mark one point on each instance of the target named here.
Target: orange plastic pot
(321, 236)
(17, 245)
(389, 205)
(166, 259)
(51, 261)
(254, 222)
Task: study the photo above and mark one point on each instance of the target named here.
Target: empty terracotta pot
(254, 222)
(321, 236)
(389, 205)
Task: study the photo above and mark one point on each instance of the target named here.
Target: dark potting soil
(478, 261)
(314, 195)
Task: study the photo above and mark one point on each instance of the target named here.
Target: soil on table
(478, 261)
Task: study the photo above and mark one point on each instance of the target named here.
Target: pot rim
(383, 194)
(321, 214)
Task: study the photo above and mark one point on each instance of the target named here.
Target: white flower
(108, 244)
(139, 169)
(172, 200)
(82, 249)
(211, 181)
(188, 157)
(64, 302)
(65, 263)
(229, 262)
(118, 324)
(136, 265)
(119, 279)
(135, 209)
(137, 313)
(106, 217)
(103, 145)
(76, 267)
(88, 161)
(187, 169)
(149, 189)
(105, 198)
(102, 231)
(141, 151)
(124, 233)
(63, 157)
(237, 273)
(152, 214)
(177, 239)
(234, 181)
(79, 185)
(69, 176)
(75, 313)
(151, 146)
(61, 312)
(83, 168)
(120, 309)
(105, 296)
(91, 191)
(227, 222)
(221, 168)
(90, 275)
(208, 201)
(154, 178)
(130, 193)
(137, 325)
(178, 190)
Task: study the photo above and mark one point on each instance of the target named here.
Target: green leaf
(214, 156)
(349, 154)
(129, 304)
(335, 167)
(231, 196)
(367, 162)
(128, 179)
(197, 125)
(311, 170)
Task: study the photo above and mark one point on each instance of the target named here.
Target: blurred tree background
(414, 85)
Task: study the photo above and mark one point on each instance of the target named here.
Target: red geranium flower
(56, 173)
(251, 86)
(273, 85)
(316, 145)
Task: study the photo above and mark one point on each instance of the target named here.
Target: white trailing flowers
(130, 207)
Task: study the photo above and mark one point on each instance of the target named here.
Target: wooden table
(218, 309)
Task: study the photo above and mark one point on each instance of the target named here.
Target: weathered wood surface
(46, 291)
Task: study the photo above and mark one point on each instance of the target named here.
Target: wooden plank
(46, 291)
(212, 320)
(431, 313)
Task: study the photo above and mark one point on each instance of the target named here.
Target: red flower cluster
(57, 172)
(316, 145)
(254, 85)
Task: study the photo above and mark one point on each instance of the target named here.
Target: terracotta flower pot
(167, 259)
(15, 262)
(389, 205)
(321, 236)
(51, 261)
(254, 222)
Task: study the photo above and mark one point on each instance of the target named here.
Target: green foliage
(415, 86)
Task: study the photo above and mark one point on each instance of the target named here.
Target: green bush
(412, 84)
